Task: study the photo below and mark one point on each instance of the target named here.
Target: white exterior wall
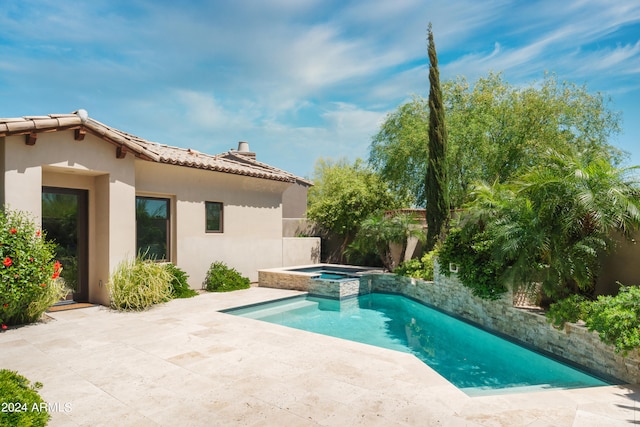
(22, 179)
(300, 251)
(252, 207)
(58, 160)
(294, 201)
(252, 218)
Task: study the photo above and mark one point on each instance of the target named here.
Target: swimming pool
(475, 361)
(331, 268)
(328, 275)
(331, 271)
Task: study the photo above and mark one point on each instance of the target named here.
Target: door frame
(82, 295)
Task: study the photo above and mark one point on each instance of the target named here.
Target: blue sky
(298, 79)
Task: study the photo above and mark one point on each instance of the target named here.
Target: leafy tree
(398, 152)
(494, 130)
(500, 129)
(344, 195)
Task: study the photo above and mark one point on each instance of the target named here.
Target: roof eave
(27, 125)
(61, 122)
(104, 133)
(194, 165)
(140, 148)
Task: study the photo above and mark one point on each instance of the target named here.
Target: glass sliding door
(65, 221)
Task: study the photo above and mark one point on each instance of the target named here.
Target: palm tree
(551, 224)
(582, 200)
(512, 226)
(379, 230)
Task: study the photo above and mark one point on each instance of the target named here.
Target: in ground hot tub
(327, 280)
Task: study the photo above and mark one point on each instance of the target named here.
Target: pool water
(328, 275)
(324, 268)
(475, 361)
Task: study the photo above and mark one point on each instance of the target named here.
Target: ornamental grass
(138, 284)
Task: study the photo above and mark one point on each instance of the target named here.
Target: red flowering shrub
(28, 284)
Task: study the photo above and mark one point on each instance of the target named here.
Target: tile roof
(231, 162)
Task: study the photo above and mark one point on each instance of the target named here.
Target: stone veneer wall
(574, 342)
(338, 289)
(283, 280)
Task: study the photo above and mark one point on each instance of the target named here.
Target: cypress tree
(436, 185)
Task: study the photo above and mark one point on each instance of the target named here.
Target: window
(214, 217)
(152, 228)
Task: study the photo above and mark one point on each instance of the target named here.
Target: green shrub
(179, 286)
(22, 401)
(418, 268)
(477, 268)
(570, 309)
(53, 292)
(409, 268)
(221, 278)
(138, 284)
(617, 318)
(29, 277)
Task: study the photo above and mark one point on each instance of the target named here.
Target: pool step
(280, 308)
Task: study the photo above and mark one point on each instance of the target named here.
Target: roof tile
(230, 162)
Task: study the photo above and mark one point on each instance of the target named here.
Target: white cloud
(560, 38)
(401, 85)
(351, 122)
(623, 59)
(298, 78)
(205, 112)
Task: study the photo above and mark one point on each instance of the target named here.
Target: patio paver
(185, 363)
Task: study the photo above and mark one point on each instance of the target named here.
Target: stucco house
(105, 195)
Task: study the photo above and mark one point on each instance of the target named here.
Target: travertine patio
(184, 363)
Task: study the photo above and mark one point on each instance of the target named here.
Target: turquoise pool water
(474, 360)
(327, 275)
(331, 272)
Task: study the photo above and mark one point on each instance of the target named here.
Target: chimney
(243, 150)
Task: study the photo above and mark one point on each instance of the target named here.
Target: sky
(298, 79)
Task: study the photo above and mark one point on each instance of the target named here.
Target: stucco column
(22, 185)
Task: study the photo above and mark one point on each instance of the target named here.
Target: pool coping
(185, 362)
(294, 277)
(599, 375)
(372, 280)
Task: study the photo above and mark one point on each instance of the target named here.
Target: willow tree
(436, 185)
(495, 130)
